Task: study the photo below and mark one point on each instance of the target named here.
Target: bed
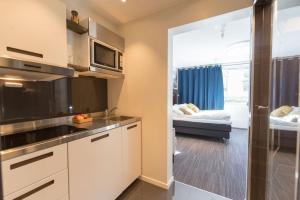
(280, 124)
(209, 123)
(284, 130)
(289, 122)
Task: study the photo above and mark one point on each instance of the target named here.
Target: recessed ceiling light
(124, 1)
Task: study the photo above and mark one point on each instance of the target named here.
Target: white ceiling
(131, 10)
(286, 32)
(223, 39)
(220, 39)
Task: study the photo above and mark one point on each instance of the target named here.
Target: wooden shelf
(99, 73)
(76, 27)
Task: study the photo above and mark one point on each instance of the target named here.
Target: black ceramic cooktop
(25, 138)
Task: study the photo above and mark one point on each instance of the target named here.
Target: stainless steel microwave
(106, 56)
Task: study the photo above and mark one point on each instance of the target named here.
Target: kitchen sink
(120, 118)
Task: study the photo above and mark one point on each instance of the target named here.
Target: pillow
(193, 107)
(177, 111)
(281, 111)
(186, 110)
(179, 105)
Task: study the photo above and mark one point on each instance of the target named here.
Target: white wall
(239, 114)
(146, 89)
(86, 11)
(286, 32)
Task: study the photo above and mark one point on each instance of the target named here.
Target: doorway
(211, 62)
(274, 104)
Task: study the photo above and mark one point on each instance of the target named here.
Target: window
(236, 84)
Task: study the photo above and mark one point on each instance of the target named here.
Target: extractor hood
(14, 69)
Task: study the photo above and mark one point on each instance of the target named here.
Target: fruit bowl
(82, 118)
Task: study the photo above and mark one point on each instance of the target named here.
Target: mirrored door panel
(284, 103)
(275, 101)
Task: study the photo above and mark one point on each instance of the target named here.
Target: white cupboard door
(131, 152)
(34, 30)
(22, 171)
(51, 188)
(95, 166)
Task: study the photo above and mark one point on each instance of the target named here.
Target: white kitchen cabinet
(78, 49)
(25, 170)
(50, 188)
(100, 166)
(95, 166)
(131, 138)
(34, 30)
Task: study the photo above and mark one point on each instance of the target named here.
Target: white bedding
(209, 121)
(210, 115)
(280, 121)
(204, 116)
(288, 122)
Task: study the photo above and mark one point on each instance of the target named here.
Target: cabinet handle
(31, 192)
(31, 160)
(131, 127)
(99, 138)
(25, 52)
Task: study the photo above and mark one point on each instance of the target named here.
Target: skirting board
(157, 182)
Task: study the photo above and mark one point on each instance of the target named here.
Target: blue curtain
(202, 86)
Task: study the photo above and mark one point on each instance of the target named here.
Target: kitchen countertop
(97, 126)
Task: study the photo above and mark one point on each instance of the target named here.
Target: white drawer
(52, 188)
(28, 169)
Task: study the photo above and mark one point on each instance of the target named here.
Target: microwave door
(104, 56)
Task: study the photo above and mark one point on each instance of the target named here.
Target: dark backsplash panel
(41, 100)
(32, 101)
(88, 100)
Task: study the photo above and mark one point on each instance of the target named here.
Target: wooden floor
(282, 176)
(213, 165)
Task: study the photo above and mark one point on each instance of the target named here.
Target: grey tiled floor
(144, 191)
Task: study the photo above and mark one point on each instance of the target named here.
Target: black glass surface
(88, 95)
(104, 55)
(30, 137)
(31, 100)
(36, 100)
